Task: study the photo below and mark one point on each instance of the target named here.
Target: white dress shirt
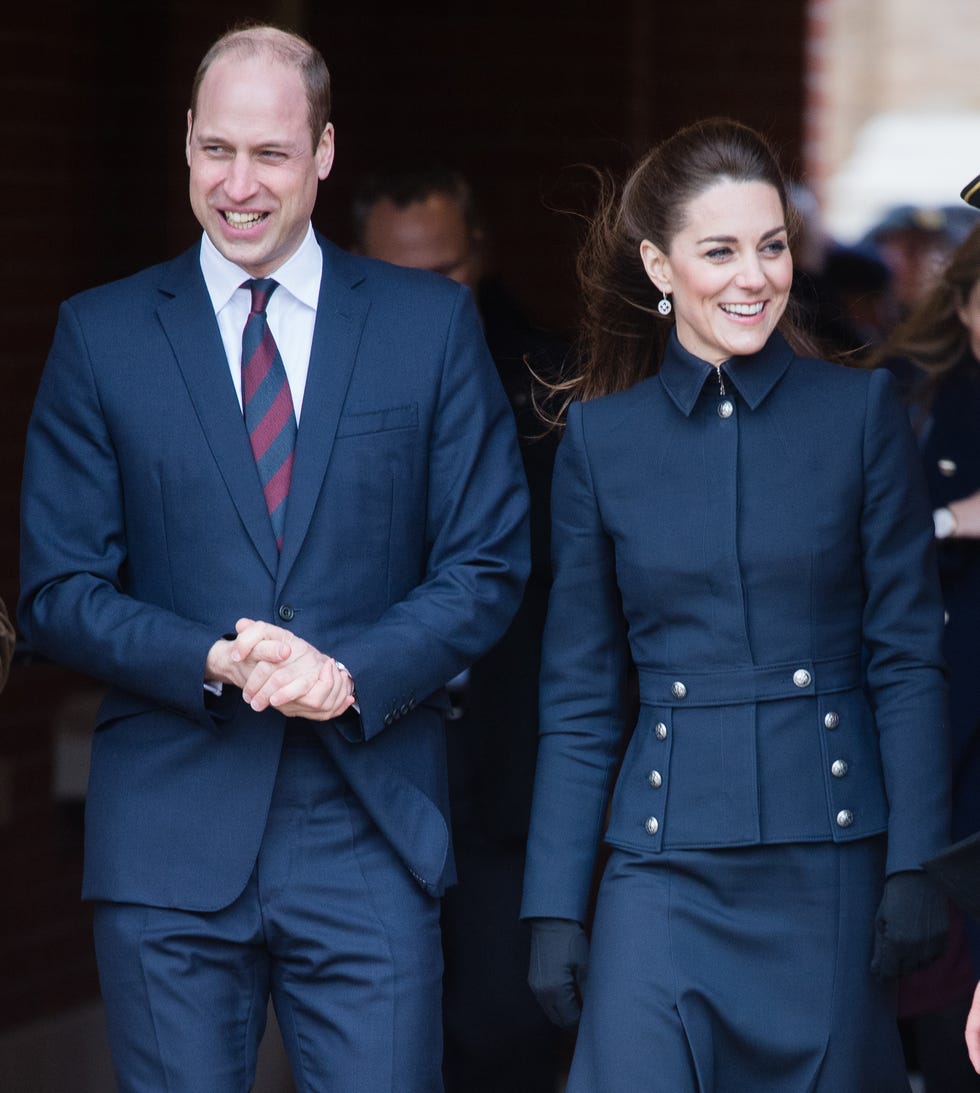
(291, 312)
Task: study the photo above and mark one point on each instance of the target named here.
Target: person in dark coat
(750, 527)
(268, 430)
(496, 1038)
(936, 355)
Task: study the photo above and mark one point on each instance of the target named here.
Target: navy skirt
(739, 971)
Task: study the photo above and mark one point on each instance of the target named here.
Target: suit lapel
(189, 322)
(339, 322)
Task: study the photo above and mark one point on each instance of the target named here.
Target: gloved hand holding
(910, 926)
(559, 968)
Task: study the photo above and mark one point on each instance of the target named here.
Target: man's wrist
(353, 688)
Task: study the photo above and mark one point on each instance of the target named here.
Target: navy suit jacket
(765, 559)
(145, 536)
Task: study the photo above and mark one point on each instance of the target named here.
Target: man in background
(496, 1036)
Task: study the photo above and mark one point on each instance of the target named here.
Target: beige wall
(868, 56)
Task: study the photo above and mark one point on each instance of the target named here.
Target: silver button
(678, 690)
(947, 467)
(802, 678)
(831, 719)
(655, 779)
(838, 768)
(652, 825)
(660, 730)
(725, 409)
(845, 817)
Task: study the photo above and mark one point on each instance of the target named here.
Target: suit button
(388, 719)
(947, 467)
(286, 613)
(838, 768)
(802, 678)
(652, 825)
(678, 690)
(725, 409)
(404, 709)
(831, 719)
(845, 817)
(660, 731)
(655, 779)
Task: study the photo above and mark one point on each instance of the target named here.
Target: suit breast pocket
(376, 492)
(375, 457)
(375, 453)
(366, 422)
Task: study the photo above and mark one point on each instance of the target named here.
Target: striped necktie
(268, 405)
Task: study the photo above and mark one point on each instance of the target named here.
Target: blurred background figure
(915, 242)
(935, 353)
(843, 292)
(496, 1036)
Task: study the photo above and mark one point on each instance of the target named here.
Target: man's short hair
(284, 47)
(407, 186)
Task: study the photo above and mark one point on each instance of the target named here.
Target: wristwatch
(944, 522)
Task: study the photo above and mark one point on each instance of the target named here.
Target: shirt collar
(299, 274)
(683, 374)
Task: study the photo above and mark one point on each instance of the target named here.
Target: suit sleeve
(583, 693)
(477, 556)
(73, 606)
(903, 621)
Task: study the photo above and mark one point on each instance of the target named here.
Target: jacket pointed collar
(683, 374)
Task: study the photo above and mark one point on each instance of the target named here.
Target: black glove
(559, 968)
(910, 926)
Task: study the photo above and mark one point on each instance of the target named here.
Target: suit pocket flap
(378, 421)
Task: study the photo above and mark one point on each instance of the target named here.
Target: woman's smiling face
(728, 269)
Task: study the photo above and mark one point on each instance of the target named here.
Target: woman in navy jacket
(748, 527)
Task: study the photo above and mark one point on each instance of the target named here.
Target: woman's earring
(665, 307)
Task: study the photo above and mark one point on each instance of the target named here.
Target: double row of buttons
(838, 768)
(655, 778)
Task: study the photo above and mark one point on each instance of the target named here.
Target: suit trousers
(330, 923)
(739, 969)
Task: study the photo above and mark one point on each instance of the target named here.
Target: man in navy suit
(267, 807)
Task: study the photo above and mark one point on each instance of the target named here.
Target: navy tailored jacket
(145, 537)
(764, 556)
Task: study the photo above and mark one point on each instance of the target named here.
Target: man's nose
(240, 181)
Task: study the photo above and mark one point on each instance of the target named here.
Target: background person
(936, 354)
(276, 518)
(496, 1036)
(742, 523)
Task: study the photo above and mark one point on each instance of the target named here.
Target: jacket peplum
(757, 541)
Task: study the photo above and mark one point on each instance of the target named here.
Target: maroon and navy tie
(268, 405)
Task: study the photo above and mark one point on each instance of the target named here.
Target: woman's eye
(718, 253)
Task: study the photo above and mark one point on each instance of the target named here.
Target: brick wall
(94, 187)
(867, 57)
